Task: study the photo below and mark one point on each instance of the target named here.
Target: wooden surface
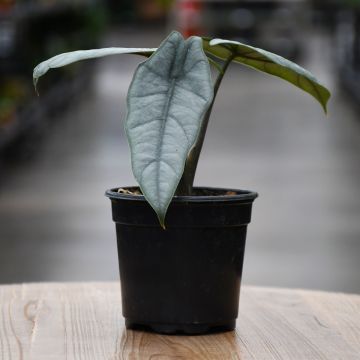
(83, 321)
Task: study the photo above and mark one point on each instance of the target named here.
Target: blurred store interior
(59, 152)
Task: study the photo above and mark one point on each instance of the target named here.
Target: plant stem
(186, 183)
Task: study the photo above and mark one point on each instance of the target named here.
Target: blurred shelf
(30, 33)
(21, 11)
(347, 50)
(271, 24)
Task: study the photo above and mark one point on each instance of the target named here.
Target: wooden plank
(83, 321)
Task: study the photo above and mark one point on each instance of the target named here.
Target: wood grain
(83, 321)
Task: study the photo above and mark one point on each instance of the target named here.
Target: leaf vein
(181, 127)
(145, 123)
(152, 94)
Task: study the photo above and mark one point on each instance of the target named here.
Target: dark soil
(196, 192)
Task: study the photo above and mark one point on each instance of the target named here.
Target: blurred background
(61, 151)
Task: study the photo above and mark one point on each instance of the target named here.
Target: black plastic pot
(185, 279)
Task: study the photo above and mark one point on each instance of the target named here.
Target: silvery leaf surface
(74, 56)
(269, 63)
(167, 99)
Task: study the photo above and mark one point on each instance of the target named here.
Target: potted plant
(181, 247)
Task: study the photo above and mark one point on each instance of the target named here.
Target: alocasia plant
(170, 101)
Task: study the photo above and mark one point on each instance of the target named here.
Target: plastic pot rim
(241, 195)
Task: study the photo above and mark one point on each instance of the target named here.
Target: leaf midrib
(166, 110)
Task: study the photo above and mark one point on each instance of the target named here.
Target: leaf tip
(324, 103)
(325, 109)
(161, 218)
(35, 82)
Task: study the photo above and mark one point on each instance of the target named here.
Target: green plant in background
(170, 101)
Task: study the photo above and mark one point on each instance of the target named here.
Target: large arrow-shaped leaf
(270, 63)
(167, 98)
(74, 56)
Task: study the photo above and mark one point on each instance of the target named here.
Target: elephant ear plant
(170, 101)
(185, 279)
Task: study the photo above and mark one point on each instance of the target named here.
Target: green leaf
(167, 99)
(269, 63)
(74, 56)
